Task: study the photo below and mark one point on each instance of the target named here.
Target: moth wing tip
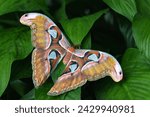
(52, 93)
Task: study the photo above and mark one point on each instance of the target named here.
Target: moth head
(114, 68)
(116, 71)
(27, 19)
(33, 18)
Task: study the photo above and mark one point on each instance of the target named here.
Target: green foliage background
(119, 27)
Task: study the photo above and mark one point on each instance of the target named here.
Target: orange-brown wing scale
(85, 65)
(44, 62)
(41, 67)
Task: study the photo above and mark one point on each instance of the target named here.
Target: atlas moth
(51, 47)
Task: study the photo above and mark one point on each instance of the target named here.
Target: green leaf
(21, 69)
(29, 96)
(15, 44)
(141, 33)
(8, 6)
(58, 71)
(86, 43)
(5, 69)
(77, 28)
(19, 86)
(143, 7)
(126, 8)
(126, 29)
(61, 12)
(141, 27)
(136, 82)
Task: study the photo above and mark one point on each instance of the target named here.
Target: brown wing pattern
(49, 45)
(41, 67)
(92, 66)
(45, 61)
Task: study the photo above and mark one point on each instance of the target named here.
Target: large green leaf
(20, 87)
(126, 29)
(5, 68)
(143, 6)
(15, 44)
(7, 6)
(58, 71)
(77, 28)
(141, 33)
(126, 8)
(61, 12)
(141, 27)
(29, 96)
(21, 69)
(86, 43)
(136, 81)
